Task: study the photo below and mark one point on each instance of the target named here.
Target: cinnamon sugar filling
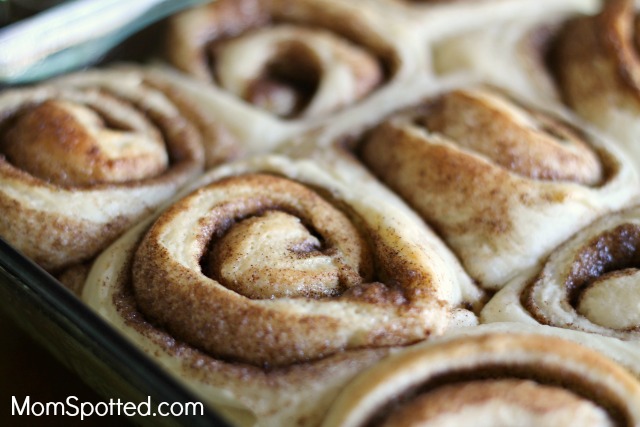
(264, 270)
(547, 389)
(609, 257)
(281, 58)
(76, 139)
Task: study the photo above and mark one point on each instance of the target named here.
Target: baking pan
(70, 331)
(83, 342)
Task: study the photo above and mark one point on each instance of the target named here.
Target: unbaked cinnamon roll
(595, 60)
(287, 66)
(280, 275)
(84, 157)
(584, 56)
(590, 283)
(491, 379)
(502, 183)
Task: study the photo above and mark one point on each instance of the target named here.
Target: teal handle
(16, 66)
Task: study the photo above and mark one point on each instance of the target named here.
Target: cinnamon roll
(84, 157)
(280, 275)
(286, 66)
(502, 183)
(595, 61)
(587, 284)
(583, 56)
(491, 379)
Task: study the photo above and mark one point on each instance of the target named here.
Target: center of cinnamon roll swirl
(605, 275)
(69, 143)
(293, 71)
(274, 255)
(525, 141)
(619, 289)
(591, 284)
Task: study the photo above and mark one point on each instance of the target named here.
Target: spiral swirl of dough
(65, 141)
(587, 284)
(278, 282)
(302, 61)
(485, 171)
(256, 267)
(595, 61)
(288, 277)
(76, 152)
(491, 379)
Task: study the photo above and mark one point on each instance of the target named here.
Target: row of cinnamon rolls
(328, 212)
